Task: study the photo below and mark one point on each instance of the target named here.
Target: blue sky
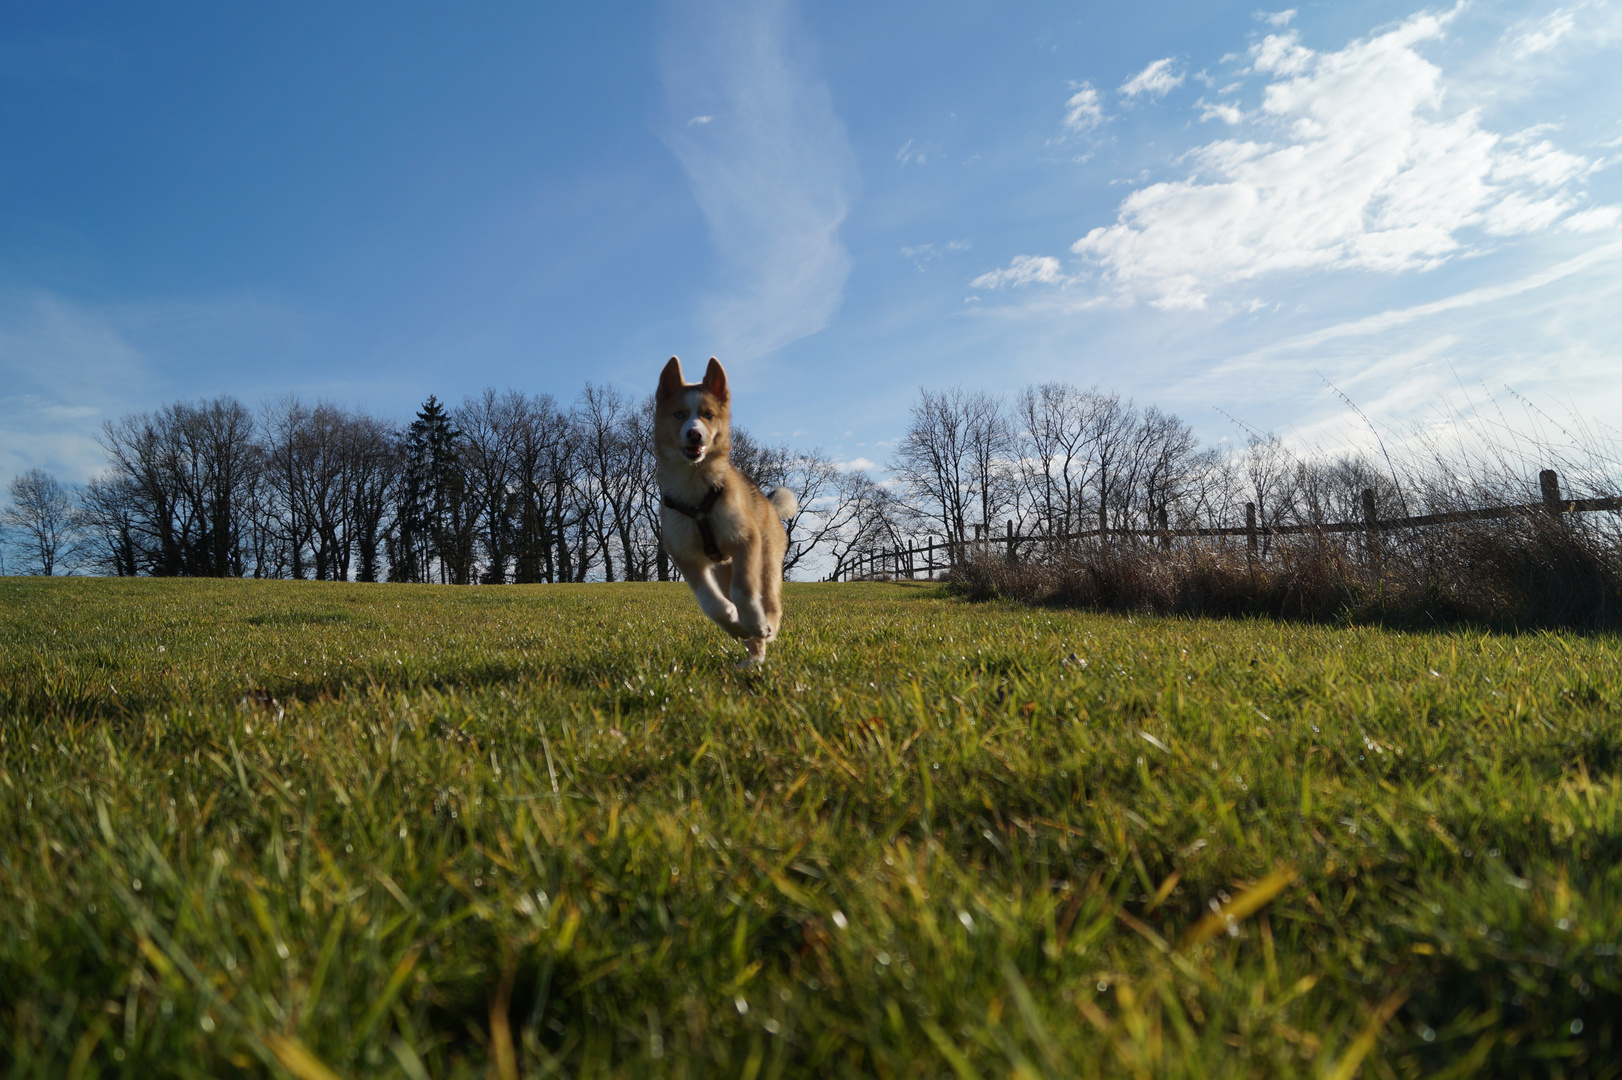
(1207, 206)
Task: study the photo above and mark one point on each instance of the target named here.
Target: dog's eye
(707, 415)
(681, 414)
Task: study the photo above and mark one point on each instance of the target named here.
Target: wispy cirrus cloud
(924, 254)
(913, 152)
(65, 369)
(770, 167)
(1412, 364)
(1545, 34)
(68, 365)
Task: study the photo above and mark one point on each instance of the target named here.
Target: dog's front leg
(712, 601)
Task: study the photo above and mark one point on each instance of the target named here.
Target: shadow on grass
(299, 618)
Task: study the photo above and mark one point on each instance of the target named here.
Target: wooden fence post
(1550, 483)
(1165, 530)
(1250, 528)
(1371, 531)
(1010, 532)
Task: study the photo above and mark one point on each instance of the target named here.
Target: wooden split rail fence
(917, 559)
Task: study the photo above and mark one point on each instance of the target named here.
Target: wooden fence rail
(920, 558)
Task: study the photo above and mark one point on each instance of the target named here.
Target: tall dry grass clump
(1518, 553)
(1528, 573)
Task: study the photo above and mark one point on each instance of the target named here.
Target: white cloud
(701, 120)
(856, 464)
(1282, 54)
(1225, 111)
(774, 180)
(1024, 270)
(1357, 165)
(1085, 109)
(1546, 34)
(1276, 18)
(1156, 80)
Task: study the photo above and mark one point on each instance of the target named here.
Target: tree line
(506, 487)
(509, 487)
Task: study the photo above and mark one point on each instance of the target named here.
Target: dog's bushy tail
(784, 502)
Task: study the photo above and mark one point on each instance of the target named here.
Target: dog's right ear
(670, 380)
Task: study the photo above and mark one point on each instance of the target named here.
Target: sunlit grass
(317, 829)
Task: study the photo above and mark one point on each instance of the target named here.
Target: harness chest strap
(701, 516)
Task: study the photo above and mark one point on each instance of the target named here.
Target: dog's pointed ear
(670, 380)
(715, 380)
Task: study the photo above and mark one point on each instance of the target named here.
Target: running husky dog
(726, 536)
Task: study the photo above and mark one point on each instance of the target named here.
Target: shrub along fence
(916, 558)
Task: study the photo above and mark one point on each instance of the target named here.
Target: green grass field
(367, 830)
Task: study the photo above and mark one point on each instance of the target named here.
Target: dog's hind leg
(756, 649)
(746, 593)
(771, 594)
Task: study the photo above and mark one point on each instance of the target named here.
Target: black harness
(701, 517)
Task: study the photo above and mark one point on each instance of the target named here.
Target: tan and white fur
(742, 592)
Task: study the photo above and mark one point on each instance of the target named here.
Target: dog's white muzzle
(695, 440)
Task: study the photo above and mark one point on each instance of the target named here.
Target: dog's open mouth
(693, 453)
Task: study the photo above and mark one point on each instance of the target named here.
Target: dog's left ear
(715, 380)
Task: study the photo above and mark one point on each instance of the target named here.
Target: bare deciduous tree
(42, 521)
(1155, 471)
(614, 464)
(871, 518)
(539, 446)
(1272, 474)
(178, 491)
(954, 459)
(824, 507)
(489, 424)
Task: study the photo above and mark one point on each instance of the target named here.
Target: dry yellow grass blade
(1164, 891)
(1361, 1045)
(1242, 906)
(296, 1058)
(948, 1050)
(503, 1058)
